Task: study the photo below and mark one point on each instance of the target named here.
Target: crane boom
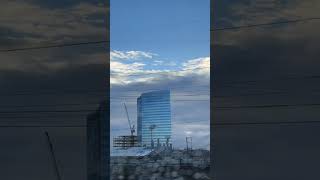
(55, 164)
(131, 127)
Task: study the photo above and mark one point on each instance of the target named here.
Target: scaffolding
(125, 141)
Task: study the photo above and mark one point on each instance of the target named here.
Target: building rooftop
(132, 151)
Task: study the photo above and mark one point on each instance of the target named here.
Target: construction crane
(53, 156)
(132, 128)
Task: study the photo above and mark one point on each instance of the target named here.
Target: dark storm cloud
(40, 25)
(277, 58)
(58, 4)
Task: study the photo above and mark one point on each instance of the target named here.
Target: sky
(162, 45)
(48, 80)
(241, 152)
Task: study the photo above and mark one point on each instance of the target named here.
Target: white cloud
(164, 63)
(127, 73)
(119, 67)
(130, 55)
(157, 63)
(172, 63)
(199, 65)
(130, 78)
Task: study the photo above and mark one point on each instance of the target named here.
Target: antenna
(152, 127)
(189, 142)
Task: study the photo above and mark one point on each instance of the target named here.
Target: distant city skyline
(159, 45)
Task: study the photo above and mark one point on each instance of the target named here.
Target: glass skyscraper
(154, 118)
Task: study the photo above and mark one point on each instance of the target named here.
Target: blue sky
(174, 29)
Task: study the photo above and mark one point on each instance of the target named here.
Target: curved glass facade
(154, 118)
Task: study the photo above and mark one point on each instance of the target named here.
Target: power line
(97, 92)
(217, 124)
(106, 41)
(49, 105)
(43, 126)
(87, 92)
(223, 124)
(53, 46)
(47, 111)
(55, 93)
(262, 94)
(265, 24)
(216, 107)
(269, 80)
(56, 116)
(100, 94)
(263, 123)
(265, 106)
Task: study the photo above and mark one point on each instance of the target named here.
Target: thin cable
(265, 24)
(214, 29)
(264, 123)
(53, 46)
(248, 82)
(49, 105)
(43, 126)
(53, 111)
(265, 106)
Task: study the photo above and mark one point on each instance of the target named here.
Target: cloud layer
(189, 84)
(136, 71)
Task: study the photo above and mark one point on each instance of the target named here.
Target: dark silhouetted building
(98, 144)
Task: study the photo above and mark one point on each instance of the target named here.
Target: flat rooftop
(132, 151)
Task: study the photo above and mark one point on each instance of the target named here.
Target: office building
(154, 118)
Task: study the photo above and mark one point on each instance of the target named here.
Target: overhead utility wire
(265, 106)
(41, 117)
(90, 94)
(47, 111)
(219, 124)
(247, 123)
(116, 99)
(262, 94)
(265, 24)
(58, 92)
(53, 46)
(43, 126)
(214, 29)
(269, 80)
(49, 105)
(216, 107)
(263, 123)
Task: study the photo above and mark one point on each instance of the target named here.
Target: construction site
(131, 160)
(126, 141)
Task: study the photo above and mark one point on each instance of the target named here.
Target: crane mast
(132, 130)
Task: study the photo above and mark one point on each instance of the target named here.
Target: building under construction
(153, 122)
(125, 141)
